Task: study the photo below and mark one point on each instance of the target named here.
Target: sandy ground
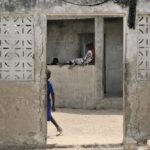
(87, 127)
(87, 130)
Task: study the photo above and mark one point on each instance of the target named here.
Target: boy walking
(51, 103)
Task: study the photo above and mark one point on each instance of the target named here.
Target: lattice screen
(16, 48)
(143, 42)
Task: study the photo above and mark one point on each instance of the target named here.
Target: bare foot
(59, 130)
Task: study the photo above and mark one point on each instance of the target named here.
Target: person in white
(82, 61)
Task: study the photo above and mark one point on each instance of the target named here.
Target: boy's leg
(59, 129)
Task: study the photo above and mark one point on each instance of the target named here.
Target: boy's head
(55, 61)
(48, 74)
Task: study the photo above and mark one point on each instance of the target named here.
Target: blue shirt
(50, 92)
(50, 89)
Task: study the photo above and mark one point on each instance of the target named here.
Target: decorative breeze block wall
(143, 43)
(16, 48)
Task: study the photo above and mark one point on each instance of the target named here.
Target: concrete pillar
(99, 44)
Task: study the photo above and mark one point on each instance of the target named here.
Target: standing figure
(51, 103)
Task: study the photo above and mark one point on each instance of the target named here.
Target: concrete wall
(22, 103)
(21, 123)
(74, 87)
(137, 104)
(23, 107)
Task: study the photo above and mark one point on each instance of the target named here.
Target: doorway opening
(76, 97)
(113, 57)
(68, 39)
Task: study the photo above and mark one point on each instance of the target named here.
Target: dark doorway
(113, 57)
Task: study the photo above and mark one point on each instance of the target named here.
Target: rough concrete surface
(32, 129)
(87, 127)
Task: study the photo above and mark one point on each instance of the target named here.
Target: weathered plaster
(22, 104)
(79, 90)
(136, 92)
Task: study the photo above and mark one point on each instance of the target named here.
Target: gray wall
(113, 31)
(63, 38)
(28, 125)
(23, 118)
(137, 92)
(74, 88)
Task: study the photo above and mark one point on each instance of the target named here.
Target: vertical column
(99, 50)
(124, 74)
(137, 86)
(40, 25)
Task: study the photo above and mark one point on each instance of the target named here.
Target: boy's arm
(52, 96)
(53, 102)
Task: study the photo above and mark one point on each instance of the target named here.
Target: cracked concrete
(23, 104)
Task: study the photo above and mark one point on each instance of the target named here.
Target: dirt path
(87, 127)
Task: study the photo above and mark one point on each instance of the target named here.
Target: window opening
(70, 40)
